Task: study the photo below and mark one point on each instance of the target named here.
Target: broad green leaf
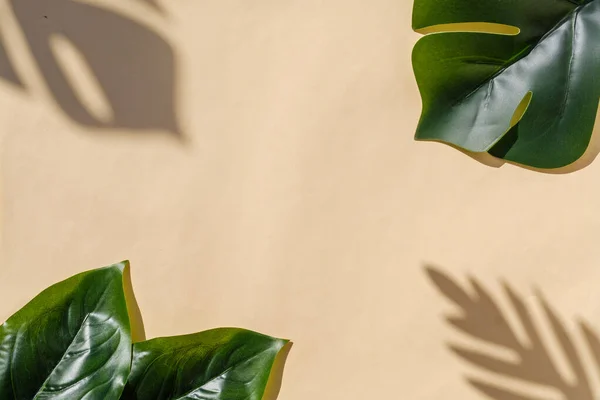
(70, 342)
(220, 364)
(516, 78)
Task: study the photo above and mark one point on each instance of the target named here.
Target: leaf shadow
(132, 67)
(7, 69)
(138, 329)
(154, 4)
(481, 318)
(276, 376)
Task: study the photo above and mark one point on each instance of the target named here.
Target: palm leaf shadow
(134, 67)
(481, 318)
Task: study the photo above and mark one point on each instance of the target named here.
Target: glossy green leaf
(220, 364)
(70, 342)
(516, 78)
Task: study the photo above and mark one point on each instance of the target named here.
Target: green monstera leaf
(220, 364)
(519, 79)
(70, 342)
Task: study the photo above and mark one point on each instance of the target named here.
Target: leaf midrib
(81, 325)
(527, 49)
(211, 379)
(235, 365)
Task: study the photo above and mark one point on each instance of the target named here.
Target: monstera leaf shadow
(531, 362)
(133, 66)
(7, 70)
(153, 3)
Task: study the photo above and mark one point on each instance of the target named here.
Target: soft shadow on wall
(525, 368)
(131, 68)
(7, 70)
(153, 3)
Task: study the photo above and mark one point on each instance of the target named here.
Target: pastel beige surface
(281, 190)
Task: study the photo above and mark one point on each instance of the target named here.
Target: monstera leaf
(516, 78)
(72, 341)
(225, 363)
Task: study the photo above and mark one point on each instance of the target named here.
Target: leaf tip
(123, 266)
(285, 343)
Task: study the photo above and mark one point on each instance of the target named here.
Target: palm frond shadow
(481, 318)
(133, 67)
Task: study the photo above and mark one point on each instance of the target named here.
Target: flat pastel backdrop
(280, 188)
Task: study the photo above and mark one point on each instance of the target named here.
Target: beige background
(280, 190)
